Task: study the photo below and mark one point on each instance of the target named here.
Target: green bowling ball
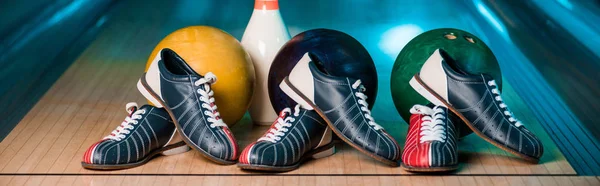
(472, 54)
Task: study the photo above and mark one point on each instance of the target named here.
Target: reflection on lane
(543, 49)
(581, 18)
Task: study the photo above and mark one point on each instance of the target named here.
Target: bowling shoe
(187, 96)
(431, 140)
(475, 98)
(342, 103)
(145, 133)
(293, 138)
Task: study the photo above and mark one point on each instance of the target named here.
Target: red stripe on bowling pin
(266, 4)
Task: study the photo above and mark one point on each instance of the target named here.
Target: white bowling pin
(265, 34)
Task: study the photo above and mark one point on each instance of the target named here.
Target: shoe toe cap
(98, 154)
(532, 146)
(224, 151)
(386, 147)
(526, 143)
(247, 154)
(416, 155)
(443, 154)
(262, 153)
(216, 144)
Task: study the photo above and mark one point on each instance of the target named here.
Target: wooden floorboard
(297, 180)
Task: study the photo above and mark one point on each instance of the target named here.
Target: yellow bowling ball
(208, 49)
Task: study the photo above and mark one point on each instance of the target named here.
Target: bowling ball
(208, 49)
(471, 54)
(338, 53)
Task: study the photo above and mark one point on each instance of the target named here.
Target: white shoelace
(281, 126)
(497, 97)
(364, 106)
(119, 133)
(206, 96)
(432, 123)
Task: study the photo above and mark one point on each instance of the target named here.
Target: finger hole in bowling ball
(450, 36)
(470, 39)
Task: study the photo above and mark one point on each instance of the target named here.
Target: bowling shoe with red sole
(431, 140)
(187, 96)
(342, 103)
(147, 132)
(476, 100)
(295, 136)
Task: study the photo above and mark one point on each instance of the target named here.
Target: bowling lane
(86, 102)
(555, 68)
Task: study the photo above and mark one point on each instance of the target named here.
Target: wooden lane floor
(75, 114)
(310, 180)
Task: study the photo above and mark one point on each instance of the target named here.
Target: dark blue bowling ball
(338, 53)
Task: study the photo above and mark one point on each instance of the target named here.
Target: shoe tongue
(172, 56)
(430, 105)
(146, 107)
(143, 107)
(215, 111)
(283, 114)
(487, 77)
(132, 110)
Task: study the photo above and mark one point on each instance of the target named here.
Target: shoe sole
(149, 91)
(298, 94)
(429, 94)
(168, 150)
(429, 169)
(321, 152)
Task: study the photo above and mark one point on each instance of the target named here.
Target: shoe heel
(423, 91)
(149, 84)
(289, 90)
(177, 150)
(148, 95)
(324, 153)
